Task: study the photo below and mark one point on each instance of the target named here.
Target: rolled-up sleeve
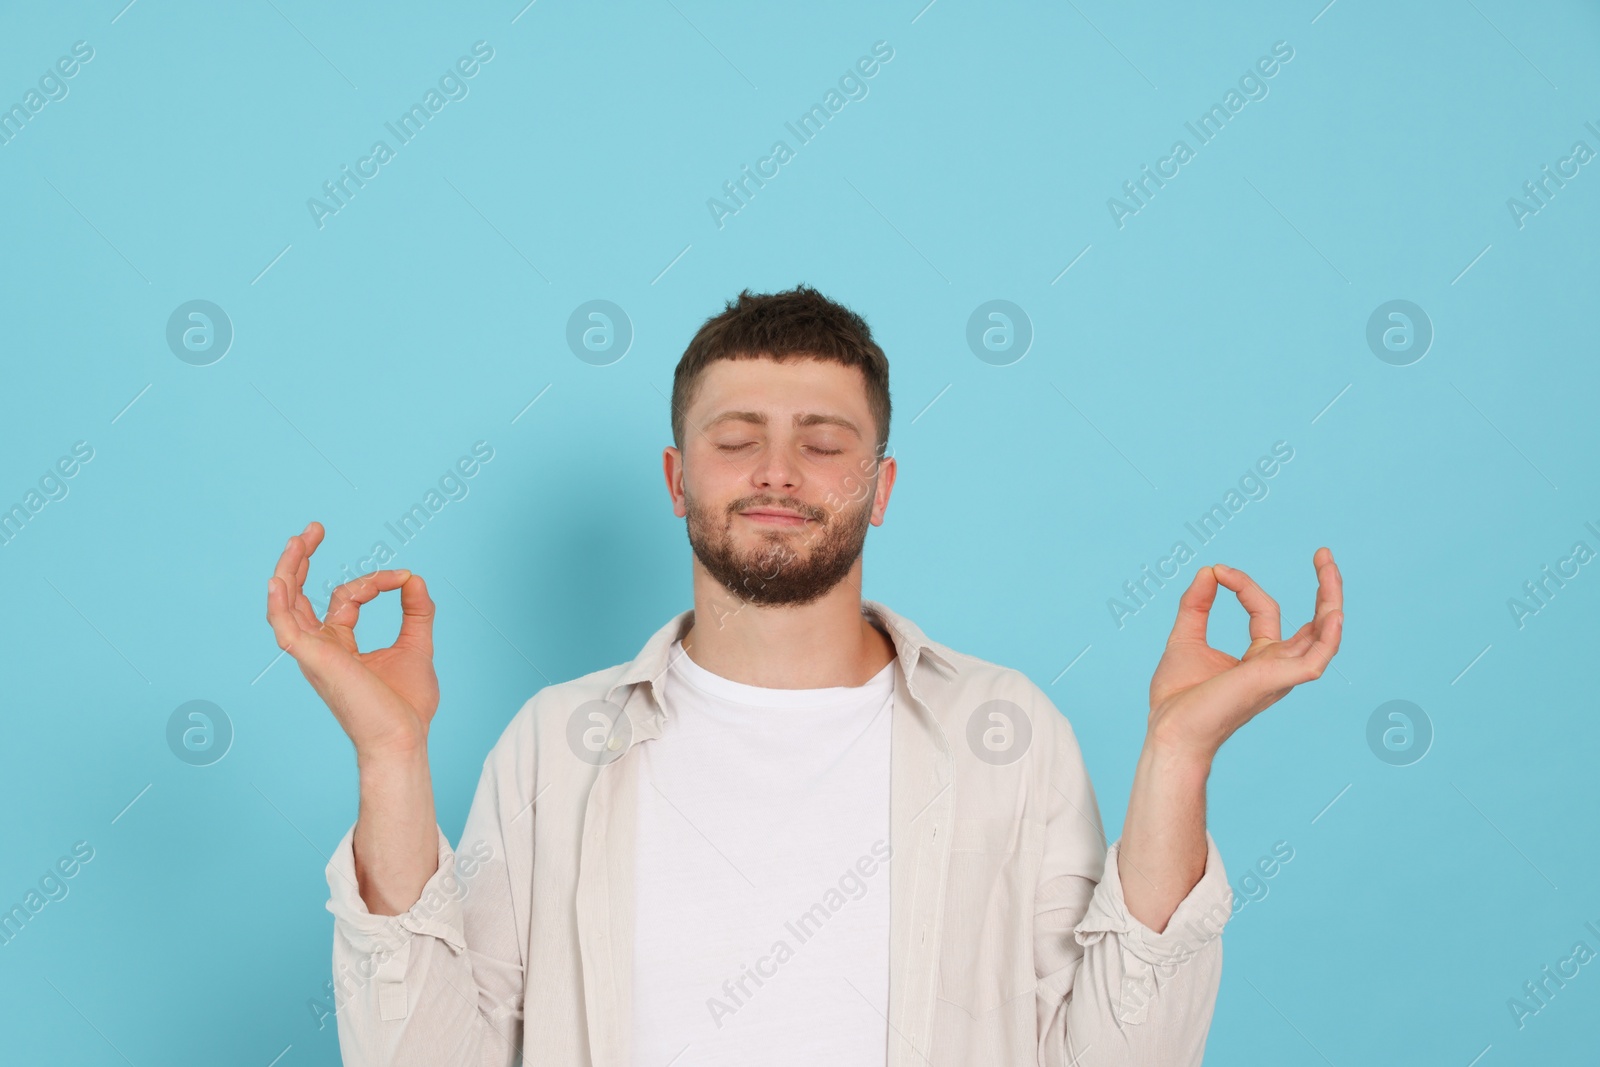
(442, 982)
(1112, 991)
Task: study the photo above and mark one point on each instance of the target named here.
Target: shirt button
(615, 743)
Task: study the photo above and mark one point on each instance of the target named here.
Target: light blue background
(1230, 313)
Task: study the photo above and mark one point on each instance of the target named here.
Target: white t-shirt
(761, 924)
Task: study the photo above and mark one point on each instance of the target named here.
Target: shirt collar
(910, 644)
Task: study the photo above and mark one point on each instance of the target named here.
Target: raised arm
(1129, 957)
(384, 700)
(427, 950)
(1198, 697)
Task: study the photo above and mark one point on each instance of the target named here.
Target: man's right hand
(385, 698)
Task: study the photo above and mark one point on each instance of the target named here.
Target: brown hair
(798, 323)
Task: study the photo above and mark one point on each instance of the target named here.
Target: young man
(793, 829)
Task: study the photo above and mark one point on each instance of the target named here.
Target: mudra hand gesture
(1200, 695)
(385, 698)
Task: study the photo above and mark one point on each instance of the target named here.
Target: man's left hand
(1200, 695)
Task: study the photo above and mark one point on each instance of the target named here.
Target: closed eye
(747, 444)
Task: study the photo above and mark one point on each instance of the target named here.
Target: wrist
(394, 758)
(1177, 760)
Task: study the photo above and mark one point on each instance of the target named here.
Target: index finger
(1265, 617)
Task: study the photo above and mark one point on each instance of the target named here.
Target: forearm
(1128, 968)
(408, 990)
(396, 832)
(1162, 853)
(411, 988)
(1124, 1012)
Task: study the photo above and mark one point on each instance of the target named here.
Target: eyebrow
(802, 420)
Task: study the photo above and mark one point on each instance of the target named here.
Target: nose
(775, 469)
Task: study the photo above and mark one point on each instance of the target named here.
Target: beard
(790, 566)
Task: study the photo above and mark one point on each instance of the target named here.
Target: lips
(775, 516)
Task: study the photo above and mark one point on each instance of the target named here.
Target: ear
(880, 500)
(672, 470)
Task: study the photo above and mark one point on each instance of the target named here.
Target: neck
(825, 643)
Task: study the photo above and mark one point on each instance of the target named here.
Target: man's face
(778, 478)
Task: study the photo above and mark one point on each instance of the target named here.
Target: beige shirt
(1010, 942)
